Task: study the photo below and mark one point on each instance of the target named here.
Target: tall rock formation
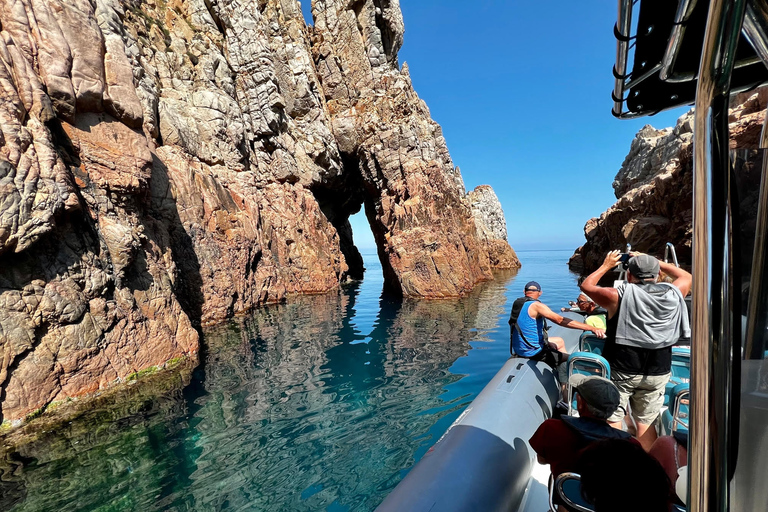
(492, 227)
(654, 188)
(167, 164)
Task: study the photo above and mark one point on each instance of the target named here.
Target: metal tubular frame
(559, 481)
(756, 30)
(754, 24)
(684, 10)
(713, 325)
(667, 248)
(571, 363)
(623, 24)
(676, 421)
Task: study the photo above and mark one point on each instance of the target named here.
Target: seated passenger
(557, 442)
(585, 305)
(528, 332)
(672, 454)
(595, 315)
(619, 475)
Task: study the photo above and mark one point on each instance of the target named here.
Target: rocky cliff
(654, 188)
(167, 164)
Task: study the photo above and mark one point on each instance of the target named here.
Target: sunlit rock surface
(492, 227)
(654, 188)
(170, 164)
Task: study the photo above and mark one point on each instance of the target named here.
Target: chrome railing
(684, 10)
(667, 249)
(714, 326)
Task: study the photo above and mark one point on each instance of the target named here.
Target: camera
(624, 260)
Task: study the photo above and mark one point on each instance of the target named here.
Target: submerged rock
(167, 165)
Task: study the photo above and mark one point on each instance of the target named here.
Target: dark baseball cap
(643, 266)
(601, 395)
(532, 286)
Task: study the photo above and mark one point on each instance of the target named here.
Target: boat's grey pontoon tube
(484, 462)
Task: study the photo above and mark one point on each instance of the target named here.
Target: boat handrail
(560, 482)
(667, 248)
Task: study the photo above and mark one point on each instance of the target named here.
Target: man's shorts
(550, 355)
(644, 393)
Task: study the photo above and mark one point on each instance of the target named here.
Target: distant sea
(323, 403)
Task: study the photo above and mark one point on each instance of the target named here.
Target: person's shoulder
(549, 425)
(596, 321)
(554, 425)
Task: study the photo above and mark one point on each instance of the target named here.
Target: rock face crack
(158, 156)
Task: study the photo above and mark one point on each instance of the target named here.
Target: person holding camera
(645, 319)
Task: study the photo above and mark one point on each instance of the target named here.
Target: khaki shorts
(644, 393)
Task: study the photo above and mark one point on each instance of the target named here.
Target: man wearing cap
(586, 306)
(645, 319)
(527, 325)
(557, 442)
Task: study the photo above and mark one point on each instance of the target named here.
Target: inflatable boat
(681, 52)
(484, 462)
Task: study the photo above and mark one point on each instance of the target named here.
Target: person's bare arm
(682, 279)
(543, 310)
(604, 296)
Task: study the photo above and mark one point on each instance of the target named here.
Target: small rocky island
(169, 164)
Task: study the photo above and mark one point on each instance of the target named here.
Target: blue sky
(522, 91)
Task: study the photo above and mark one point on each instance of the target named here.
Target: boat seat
(568, 486)
(588, 342)
(675, 418)
(681, 370)
(585, 363)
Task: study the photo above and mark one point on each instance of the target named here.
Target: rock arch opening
(306, 10)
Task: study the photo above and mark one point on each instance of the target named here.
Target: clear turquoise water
(324, 403)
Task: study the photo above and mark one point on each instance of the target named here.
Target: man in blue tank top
(528, 336)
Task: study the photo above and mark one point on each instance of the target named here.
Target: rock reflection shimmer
(301, 406)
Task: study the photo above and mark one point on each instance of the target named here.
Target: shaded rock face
(654, 189)
(170, 164)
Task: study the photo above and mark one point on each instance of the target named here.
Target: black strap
(520, 332)
(619, 36)
(618, 75)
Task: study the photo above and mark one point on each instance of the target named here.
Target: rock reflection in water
(118, 456)
(301, 409)
(293, 408)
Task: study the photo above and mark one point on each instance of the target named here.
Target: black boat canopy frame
(656, 68)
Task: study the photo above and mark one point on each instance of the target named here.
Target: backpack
(517, 306)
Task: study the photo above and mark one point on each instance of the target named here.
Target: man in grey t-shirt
(645, 319)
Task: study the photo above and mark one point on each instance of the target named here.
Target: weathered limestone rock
(653, 152)
(492, 227)
(169, 164)
(654, 189)
(414, 196)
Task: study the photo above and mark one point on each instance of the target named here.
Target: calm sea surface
(323, 403)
